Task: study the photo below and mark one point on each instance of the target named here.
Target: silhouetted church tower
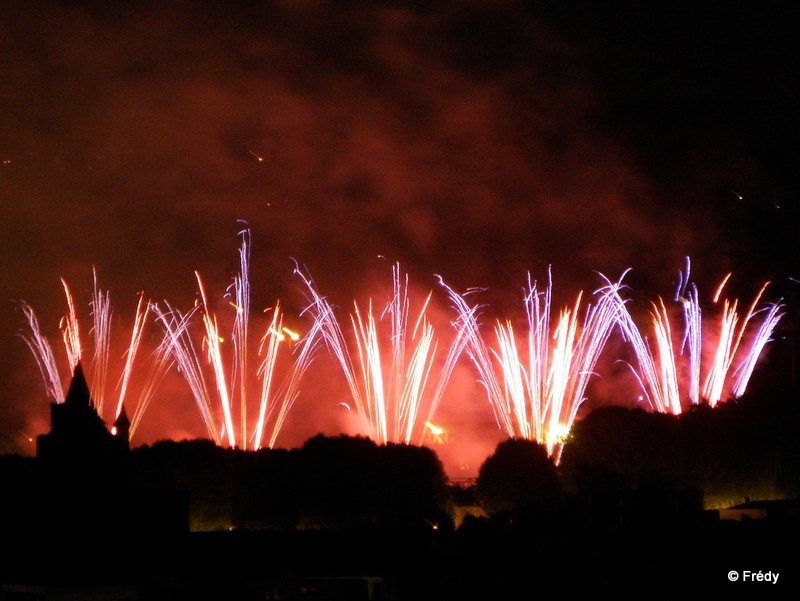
(79, 450)
(87, 470)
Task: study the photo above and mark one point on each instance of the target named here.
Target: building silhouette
(85, 477)
(80, 451)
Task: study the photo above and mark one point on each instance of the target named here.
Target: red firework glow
(397, 368)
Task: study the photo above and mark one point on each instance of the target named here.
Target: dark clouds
(474, 139)
(372, 129)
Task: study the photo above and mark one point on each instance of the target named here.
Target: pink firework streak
(537, 381)
(668, 376)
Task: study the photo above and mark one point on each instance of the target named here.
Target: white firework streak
(389, 395)
(275, 406)
(730, 339)
(177, 343)
(693, 330)
(101, 333)
(723, 354)
(241, 293)
(142, 309)
(269, 349)
(159, 366)
(43, 353)
(213, 343)
(657, 373)
(763, 335)
(693, 340)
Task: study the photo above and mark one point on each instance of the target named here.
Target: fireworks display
(478, 143)
(392, 368)
(537, 396)
(669, 366)
(219, 384)
(397, 366)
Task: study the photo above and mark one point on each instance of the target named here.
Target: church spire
(78, 393)
(121, 428)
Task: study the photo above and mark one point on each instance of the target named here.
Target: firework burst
(98, 366)
(226, 389)
(536, 381)
(390, 365)
(670, 374)
(741, 341)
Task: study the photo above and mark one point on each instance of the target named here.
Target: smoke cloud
(464, 140)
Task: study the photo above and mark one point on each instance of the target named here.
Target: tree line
(614, 458)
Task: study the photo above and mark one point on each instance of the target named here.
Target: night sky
(474, 140)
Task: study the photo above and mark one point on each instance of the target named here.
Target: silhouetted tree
(411, 485)
(519, 474)
(266, 491)
(346, 480)
(337, 481)
(631, 443)
(199, 468)
(740, 448)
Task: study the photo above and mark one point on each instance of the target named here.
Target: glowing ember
(435, 430)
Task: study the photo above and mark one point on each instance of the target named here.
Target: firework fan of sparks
(217, 391)
(390, 366)
(395, 366)
(74, 348)
(536, 394)
(732, 356)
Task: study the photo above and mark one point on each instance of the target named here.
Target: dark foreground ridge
(344, 518)
(482, 560)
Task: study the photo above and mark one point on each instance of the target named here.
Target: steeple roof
(122, 419)
(78, 393)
